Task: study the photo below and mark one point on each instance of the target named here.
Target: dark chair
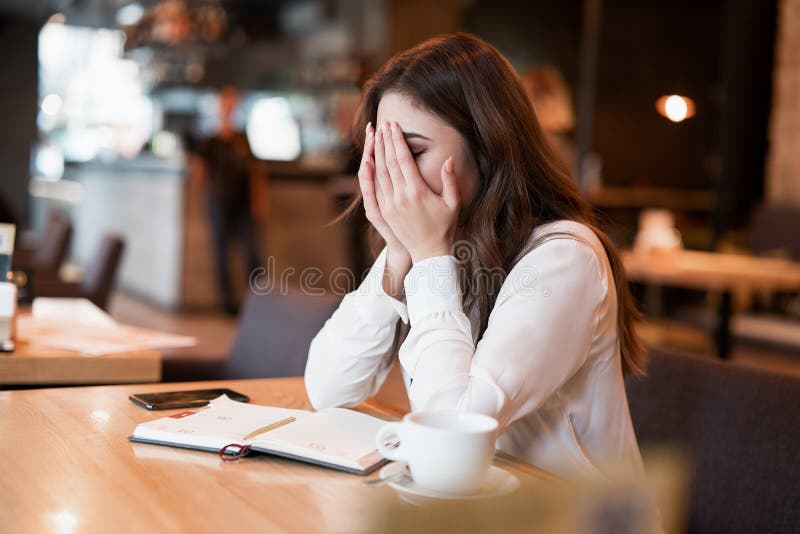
(742, 430)
(774, 228)
(99, 279)
(274, 334)
(45, 257)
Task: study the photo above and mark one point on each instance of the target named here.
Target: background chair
(272, 340)
(742, 429)
(99, 279)
(44, 257)
(775, 229)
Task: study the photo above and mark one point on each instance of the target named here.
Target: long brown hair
(522, 183)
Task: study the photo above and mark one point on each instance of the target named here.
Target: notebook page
(221, 423)
(333, 435)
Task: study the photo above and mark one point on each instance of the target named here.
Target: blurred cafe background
(679, 115)
(680, 120)
(123, 119)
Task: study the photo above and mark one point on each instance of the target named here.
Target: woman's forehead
(411, 117)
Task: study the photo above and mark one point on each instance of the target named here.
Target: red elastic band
(232, 457)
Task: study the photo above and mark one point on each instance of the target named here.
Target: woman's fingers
(373, 202)
(369, 143)
(381, 171)
(371, 197)
(395, 173)
(368, 193)
(366, 176)
(405, 160)
(379, 196)
(450, 193)
(365, 172)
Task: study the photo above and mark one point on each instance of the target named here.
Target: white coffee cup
(446, 451)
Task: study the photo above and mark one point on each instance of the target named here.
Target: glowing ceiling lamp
(130, 14)
(272, 131)
(676, 108)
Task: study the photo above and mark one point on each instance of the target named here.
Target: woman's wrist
(398, 263)
(419, 254)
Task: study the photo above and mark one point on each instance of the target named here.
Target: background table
(67, 465)
(34, 363)
(713, 271)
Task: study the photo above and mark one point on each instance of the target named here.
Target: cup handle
(389, 448)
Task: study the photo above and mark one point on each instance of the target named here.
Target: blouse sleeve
(539, 332)
(349, 358)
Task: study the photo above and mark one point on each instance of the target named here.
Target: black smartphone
(167, 400)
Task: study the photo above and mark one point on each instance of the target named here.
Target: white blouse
(547, 367)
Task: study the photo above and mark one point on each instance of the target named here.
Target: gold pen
(271, 426)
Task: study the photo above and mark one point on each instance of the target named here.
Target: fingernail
(369, 126)
(449, 165)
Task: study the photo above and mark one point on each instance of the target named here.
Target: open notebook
(334, 437)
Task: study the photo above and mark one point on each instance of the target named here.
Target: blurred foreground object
(616, 507)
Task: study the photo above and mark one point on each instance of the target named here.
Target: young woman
(495, 288)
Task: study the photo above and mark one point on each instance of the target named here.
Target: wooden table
(67, 466)
(651, 197)
(33, 364)
(713, 271)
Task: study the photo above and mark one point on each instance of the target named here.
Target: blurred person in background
(550, 97)
(236, 190)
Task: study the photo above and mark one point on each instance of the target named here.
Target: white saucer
(498, 482)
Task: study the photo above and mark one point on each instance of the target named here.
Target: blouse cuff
(373, 303)
(432, 287)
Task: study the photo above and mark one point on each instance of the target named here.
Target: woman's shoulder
(570, 245)
(565, 229)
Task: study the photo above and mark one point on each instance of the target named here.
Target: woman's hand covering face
(423, 221)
